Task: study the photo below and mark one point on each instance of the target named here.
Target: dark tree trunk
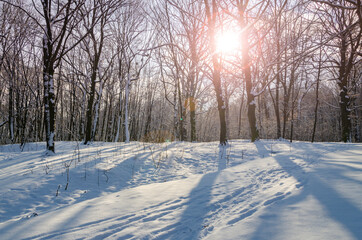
(104, 120)
(317, 96)
(193, 119)
(182, 129)
(175, 115)
(276, 103)
(254, 133)
(278, 78)
(95, 59)
(287, 93)
(82, 115)
(216, 78)
(220, 101)
(58, 16)
(292, 117)
(344, 98)
(148, 122)
(246, 62)
(110, 132)
(48, 82)
(24, 120)
(72, 103)
(89, 111)
(39, 112)
(19, 110)
(49, 105)
(240, 113)
(192, 81)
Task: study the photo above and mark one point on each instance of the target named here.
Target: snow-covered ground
(263, 190)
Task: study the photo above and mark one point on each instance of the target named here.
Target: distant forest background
(133, 70)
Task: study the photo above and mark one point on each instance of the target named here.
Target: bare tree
(211, 14)
(131, 42)
(341, 22)
(99, 15)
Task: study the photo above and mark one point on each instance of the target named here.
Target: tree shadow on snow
(192, 221)
(336, 206)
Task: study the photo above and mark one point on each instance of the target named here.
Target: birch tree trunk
(96, 109)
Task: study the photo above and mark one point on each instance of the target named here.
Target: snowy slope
(262, 190)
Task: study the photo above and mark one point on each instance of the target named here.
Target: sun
(227, 42)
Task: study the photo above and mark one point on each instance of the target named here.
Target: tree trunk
(182, 129)
(126, 124)
(119, 121)
(192, 81)
(148, 122)
(11, 110)
(24, 120)
(38, 114)
(89, 111)
(254, 133)
(246, 62)
(175, 115)
(104, 120)
(72, 111)
(82, 115)
(216, 79)
(220, 101)
(287, 93)
(96, 109)
(193, 119)
(49, 96)
(276, 103)
(344, 98)
(317, 96)
(49, 105)
(240, 113)
(292, 117)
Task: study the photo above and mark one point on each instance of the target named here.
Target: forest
(181, 119)
(185, 70)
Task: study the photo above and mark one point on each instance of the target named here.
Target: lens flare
(227, 42)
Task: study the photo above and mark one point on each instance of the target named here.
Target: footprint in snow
(279, 196)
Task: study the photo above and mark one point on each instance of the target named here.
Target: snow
(263, 190)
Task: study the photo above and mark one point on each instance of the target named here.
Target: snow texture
(262, 190)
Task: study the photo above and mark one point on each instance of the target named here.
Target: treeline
(153, 71)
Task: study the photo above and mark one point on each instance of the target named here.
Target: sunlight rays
(227, 42)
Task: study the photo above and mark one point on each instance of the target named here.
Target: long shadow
(23, 199)
(337, 207)
(192, 223)
(12, 207)
(21, 206)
